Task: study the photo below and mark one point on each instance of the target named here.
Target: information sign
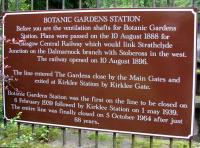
(119, 70)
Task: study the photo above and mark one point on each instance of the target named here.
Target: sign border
(112, 10)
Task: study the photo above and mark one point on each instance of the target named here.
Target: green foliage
(181, 144)
(89, 4)
(146, 3)
(71, 4)
(161, 3)
(198, 71)
(9, 132)
(8, 135)
(182, 3)
(54, 133)
(157, 143)
(43, 134)
(20, 142)
(116, 3)
(197, 4)
(105, 137)
(101, 136)
(39, 5)
(119, 141)
(23, 5)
